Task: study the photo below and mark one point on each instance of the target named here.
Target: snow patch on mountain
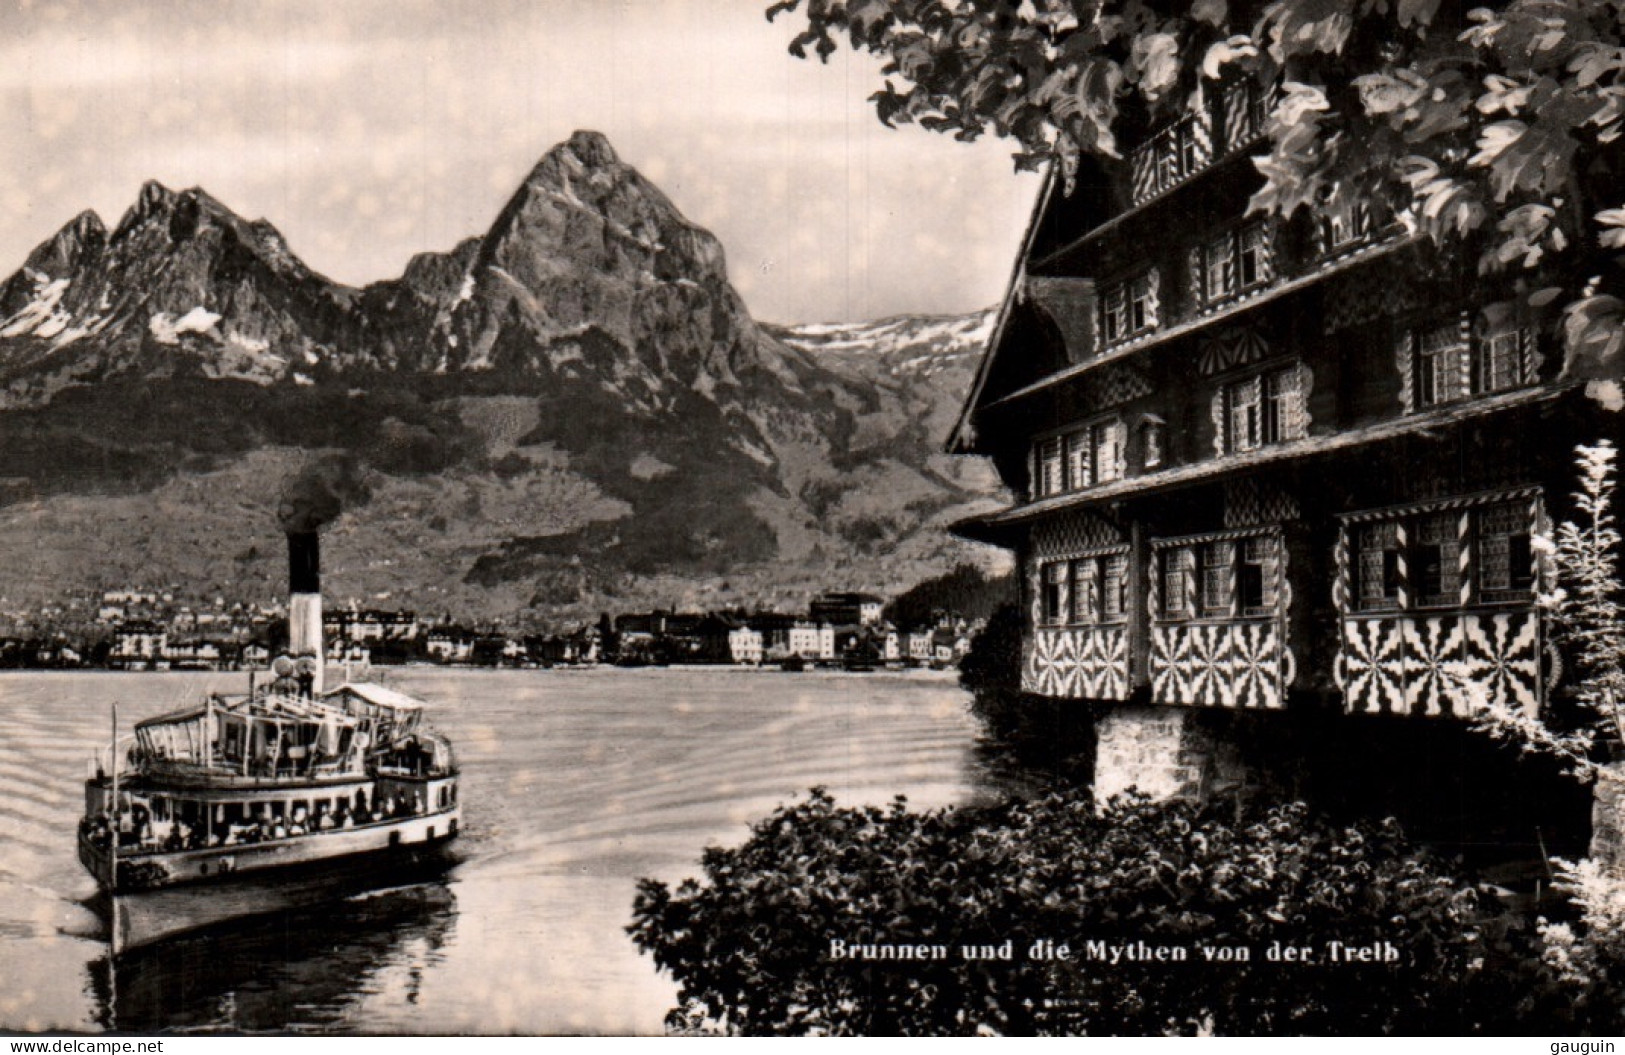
(166, 329)
(41, 312)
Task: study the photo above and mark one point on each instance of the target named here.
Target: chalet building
(1284, 468)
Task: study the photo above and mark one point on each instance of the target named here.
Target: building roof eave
(962, 439)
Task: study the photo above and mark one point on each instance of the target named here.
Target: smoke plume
(319, 492)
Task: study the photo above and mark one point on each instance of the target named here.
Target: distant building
(745, 645)
(450, 644)
(841, 608)
(138, 643)
(192, 655)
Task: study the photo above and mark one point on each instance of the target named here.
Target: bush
(1587, 954)
(751, 947)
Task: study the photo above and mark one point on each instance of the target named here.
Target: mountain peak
(86, 225)
(593, 148)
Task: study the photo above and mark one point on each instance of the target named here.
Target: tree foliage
(963, 591)
(1495, 126)
(750, 946)
(1582, 603)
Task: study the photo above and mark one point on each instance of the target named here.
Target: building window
(1215, 279)
(1429, 559)
(1080, 458)
(1506, 567)
(1439, 354)
(1343, 225)
(1114, 587)
(1247, 108)
(1099, 589)
(1051, 474)
(1235, 262)
(1172, 155)
(1151, 442)
(1377, 570)
(1243, 418)
(1114, 313)
(1106, 447)
(1130, 308)
(1254, 266)
(1437, 560)
(1263, 409)
(1221, 578)
(1178, 582)
(1085, 591)
(1451, 362)
(1218, 579)
(1498, 358)
(1256, 575)
(1052, 598)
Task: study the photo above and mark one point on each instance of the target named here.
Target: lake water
(575, 783)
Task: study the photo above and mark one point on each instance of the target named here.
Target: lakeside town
(145, 630)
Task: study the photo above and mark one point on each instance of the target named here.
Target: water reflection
(576, 783)
(305, 970)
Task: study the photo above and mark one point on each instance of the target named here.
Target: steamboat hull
(155, 896)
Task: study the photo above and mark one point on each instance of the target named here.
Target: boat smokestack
(312, 497)
(305, 605)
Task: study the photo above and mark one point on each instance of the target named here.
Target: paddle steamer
(271, 799)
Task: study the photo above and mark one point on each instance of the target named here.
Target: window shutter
(1079, 472)
(1295, 402)
(1271, 546)
(1114, 450)
(1403, 359)
(1245, 399)
(1264, 246)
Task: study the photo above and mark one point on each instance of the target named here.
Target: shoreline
(920, 673)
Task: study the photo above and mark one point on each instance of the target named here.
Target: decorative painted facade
(1265, 465)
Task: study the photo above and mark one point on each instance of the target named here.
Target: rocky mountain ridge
(571, 410)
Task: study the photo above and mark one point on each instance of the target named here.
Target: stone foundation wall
(1608, 819)
(1164, 752)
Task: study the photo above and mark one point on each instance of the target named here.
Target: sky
(370, 130)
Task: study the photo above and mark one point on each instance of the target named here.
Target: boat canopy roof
(269, 707)
(378, 696)
(191, 714)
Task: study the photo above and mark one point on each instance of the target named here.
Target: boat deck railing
(230, 775)
(99, 835)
